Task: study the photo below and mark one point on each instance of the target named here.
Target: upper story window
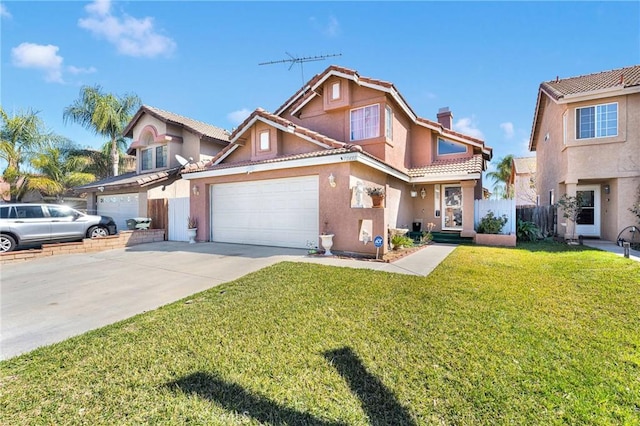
(264, 141)
(161, 156)
(147, 157)
(446, 147)
(388, 122)
(365, 122)
(597, 121)
(335, 91)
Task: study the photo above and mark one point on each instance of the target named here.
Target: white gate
(178, 214)
(498, 207)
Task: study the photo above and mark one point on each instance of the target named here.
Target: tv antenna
(295, 60)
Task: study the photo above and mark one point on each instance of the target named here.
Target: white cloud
(4, 12)
(131, 36)
(79, 70)
(38, 56)
(508, 129)
(330, 29)
(237, 117)
(468, 126)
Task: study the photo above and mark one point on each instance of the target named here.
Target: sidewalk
(421, 262)
(612, 247)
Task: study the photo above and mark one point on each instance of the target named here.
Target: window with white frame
(365, 122)
(335, 91)
(264, 141)
(147, 158)
(161, 156)
(388, 122)
(598, 121)
(446, 147)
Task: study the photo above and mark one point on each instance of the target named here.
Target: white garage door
(120, 207)
(274, 212)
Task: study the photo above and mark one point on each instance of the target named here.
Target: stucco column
(468, 208)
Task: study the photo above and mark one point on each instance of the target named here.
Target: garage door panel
(120, 207)
(277, 212)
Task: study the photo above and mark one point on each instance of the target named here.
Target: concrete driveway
(48, 300)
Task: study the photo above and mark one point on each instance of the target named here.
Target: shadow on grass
(378, 402)
(235, 398)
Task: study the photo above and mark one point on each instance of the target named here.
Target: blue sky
(484, 60)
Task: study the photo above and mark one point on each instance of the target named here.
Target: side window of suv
(29, 212)
(8, 212)
(59, 211)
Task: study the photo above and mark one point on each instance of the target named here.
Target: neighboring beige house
(303, 170)
(155, 189)
(586, 136)
(523, 181)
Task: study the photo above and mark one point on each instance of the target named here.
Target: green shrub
(490, 224)
(401, 241)
(526, 231)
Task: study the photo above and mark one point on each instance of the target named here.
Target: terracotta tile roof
(198, 127)
(458, 166)
(452, 132)
(305, 92)
(199, 167)
(621, 77)
(524, 165)
(131, 179)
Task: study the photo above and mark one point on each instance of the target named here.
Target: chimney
(445, 117)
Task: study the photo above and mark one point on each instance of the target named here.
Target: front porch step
(451, 238)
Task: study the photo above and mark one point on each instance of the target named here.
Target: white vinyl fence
(178, 214)
(499, 208)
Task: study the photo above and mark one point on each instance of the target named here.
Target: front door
(588, 222)
(452, 203)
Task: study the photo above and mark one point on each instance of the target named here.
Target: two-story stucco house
(303, 170)
(586, 136)
(157, 136)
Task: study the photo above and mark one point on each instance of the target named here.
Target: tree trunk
(115, 157)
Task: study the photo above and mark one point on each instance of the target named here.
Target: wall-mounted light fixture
(332, 180)
(101, 188)
(607, 189)
(423, 193)
(414, 193)
(195, 190)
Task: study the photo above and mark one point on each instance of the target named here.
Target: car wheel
(7, 243)
(97, 231)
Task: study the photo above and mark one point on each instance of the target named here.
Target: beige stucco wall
(612, 161)
(550, 157)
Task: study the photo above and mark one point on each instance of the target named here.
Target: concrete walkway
(421, 262)
(612, 247)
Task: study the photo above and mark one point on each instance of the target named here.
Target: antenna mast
(294, 60)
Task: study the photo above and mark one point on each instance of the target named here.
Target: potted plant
(192, 228)
(376, 194)
(327, 239)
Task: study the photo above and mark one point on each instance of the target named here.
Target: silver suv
(23, 224)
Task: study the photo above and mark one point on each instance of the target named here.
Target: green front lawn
(535, 335)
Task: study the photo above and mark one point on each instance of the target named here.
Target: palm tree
(99, 163)
(22, 135)
(501, 176)
(58, 169)
(104, 113)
